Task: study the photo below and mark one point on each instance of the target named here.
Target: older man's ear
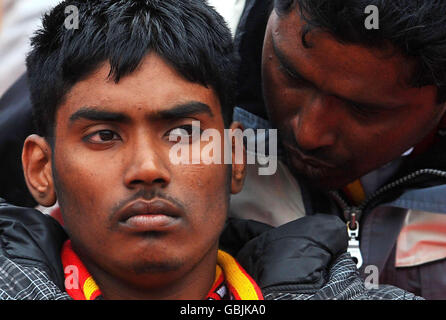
(36, 161)
(238, 164)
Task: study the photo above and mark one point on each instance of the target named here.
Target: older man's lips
(146, 216)
(297, 155)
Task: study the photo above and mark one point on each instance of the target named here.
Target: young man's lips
(154, 215)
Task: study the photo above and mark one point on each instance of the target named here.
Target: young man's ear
(36, 161)
(238, 159)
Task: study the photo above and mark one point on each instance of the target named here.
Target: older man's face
(342, 110)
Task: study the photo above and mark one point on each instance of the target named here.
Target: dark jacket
(302, 260)
(16, 124)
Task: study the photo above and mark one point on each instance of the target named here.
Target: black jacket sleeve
(29, 237)
(296, 256)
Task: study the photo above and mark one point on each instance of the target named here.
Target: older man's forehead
(347, 69)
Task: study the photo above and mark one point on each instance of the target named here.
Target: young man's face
(342, 110)
(130, 212)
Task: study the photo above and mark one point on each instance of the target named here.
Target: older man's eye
(103, 136)
(364, 111)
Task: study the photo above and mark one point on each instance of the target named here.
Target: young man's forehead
(154, 87)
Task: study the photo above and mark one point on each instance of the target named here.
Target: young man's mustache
(147, 195)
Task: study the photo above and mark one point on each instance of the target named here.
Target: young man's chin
(158, 267)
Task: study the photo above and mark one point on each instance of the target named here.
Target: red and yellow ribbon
(80, 285)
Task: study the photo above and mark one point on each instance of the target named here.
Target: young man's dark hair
(123, 33)
(415, 28)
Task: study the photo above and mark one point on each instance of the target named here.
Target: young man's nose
(147, 166)
(315, 125)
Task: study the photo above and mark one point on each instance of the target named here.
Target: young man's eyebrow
(287, 65)
(179, 111)
(183, 110)
(96, 114)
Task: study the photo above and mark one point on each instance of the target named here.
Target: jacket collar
(31, 237)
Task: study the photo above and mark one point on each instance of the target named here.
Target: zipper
(354, 213)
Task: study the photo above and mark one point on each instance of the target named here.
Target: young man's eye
(102, 136)
(185, 130)
(184, 133)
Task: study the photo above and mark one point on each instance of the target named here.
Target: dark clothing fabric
(16, 125)
(281, 256)
(305, 259)
(423, 279)
(31, 238)
(249, 43)
(383, 218)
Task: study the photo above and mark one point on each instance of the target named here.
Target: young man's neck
(193, 284)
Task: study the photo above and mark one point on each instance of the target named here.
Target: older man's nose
(315, 125)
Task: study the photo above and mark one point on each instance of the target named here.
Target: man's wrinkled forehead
(339, 68)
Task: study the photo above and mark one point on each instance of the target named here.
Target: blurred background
(20, 18)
